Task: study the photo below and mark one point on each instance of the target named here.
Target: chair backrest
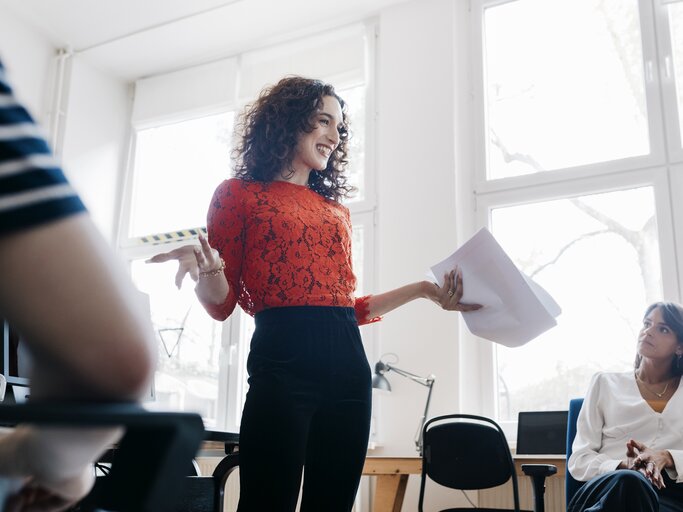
(570, 484)
(463, 451)
(150, 463)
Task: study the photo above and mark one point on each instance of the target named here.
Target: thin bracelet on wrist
(212, 273)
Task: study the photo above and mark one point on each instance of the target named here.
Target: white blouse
(614, 412)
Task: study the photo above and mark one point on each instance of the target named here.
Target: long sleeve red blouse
(283, 245)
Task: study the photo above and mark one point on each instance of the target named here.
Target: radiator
(501, 497)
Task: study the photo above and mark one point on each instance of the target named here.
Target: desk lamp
(379, 381)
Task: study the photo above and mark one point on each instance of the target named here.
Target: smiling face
(656, 339)
(313, 149)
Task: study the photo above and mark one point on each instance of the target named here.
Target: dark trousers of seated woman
(308, 406)
(627, 491)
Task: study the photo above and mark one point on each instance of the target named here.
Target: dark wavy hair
(672, 314)
(268, 130)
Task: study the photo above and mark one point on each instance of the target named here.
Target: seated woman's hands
(449, 294)
(192, 259)
(651, 463)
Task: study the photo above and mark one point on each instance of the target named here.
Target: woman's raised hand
(192, 259)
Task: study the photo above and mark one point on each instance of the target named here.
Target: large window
(176, 167)
(566, 90)
(578, 152)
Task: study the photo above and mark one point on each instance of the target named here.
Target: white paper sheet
(516, 309)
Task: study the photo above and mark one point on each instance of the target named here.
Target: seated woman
(629, 440)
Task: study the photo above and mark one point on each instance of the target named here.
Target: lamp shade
(380, 382)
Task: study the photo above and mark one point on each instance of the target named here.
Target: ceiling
(136, 38)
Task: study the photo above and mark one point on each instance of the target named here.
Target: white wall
(27, 55)
(97, 114)
(417, 213)
(95, 140)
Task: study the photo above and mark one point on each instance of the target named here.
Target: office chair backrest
(463, 451)
(570, 484)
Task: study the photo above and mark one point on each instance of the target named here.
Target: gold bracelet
(212, 273)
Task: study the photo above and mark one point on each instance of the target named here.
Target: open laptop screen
(542, 433)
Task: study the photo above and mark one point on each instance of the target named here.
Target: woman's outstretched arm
(446, 296)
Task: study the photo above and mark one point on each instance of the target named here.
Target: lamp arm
(425, 381)
(381, 368)
(423, 419)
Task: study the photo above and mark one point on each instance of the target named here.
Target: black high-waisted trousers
(308, 406)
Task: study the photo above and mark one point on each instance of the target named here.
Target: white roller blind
(337, 57)
(200, 89)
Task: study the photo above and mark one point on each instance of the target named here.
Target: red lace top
(283, 245)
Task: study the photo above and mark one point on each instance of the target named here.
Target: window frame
(668, 83)
(660, 170)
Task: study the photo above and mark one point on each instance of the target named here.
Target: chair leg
(538, 474)
(539, 493)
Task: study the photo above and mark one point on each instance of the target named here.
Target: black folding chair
(468, 452)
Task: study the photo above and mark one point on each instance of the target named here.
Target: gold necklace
(660, 395)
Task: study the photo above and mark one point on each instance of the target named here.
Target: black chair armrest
(544, 470)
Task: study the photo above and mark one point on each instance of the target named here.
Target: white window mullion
(672, 99)
(675, 185)
(653, 84)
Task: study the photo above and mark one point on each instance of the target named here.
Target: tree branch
(565, 248)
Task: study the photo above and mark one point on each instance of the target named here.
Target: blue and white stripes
(33, 188)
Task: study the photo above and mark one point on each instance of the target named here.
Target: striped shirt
(33, 188)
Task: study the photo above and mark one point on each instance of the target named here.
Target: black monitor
(542, 433)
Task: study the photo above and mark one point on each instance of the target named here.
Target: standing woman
(629, 440)
(280, 246)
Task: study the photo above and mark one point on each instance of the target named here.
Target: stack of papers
(516, 309)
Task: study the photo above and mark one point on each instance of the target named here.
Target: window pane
(565, 91)
(355, 101)
(177, 168)
(676, 24)
(599, 258)
(189, 343)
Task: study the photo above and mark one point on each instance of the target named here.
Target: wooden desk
(392, 478)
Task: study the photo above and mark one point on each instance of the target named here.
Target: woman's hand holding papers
(449, 294)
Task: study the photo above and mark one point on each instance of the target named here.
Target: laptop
(542, 433)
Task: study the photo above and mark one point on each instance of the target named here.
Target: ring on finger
(451, 293)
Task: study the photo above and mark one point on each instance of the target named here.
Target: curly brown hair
(268, 130)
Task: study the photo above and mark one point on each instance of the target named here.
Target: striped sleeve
(33, 188)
